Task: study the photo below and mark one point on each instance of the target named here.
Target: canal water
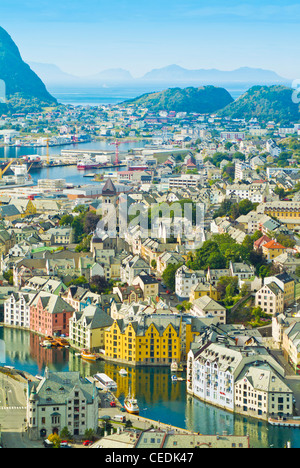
(159, 398)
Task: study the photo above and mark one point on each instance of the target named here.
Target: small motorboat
(131, 405)
(87, 355)
(174, 366)
(123, 372)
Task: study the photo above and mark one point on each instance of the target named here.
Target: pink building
(50, 314)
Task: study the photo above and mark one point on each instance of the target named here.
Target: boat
(174, 378)
(123, 372)
(46, 344)
(89, 356)
(131, 405)
(174, 366)
(62, 342)
(105, 382)
(87, 164)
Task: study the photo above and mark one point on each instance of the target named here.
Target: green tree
(66, 220)
(100, 285)
(169, 274)
(65, 434)
(209, 255)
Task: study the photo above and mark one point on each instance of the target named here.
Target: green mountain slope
(203, 100)
(265, 103)
(23, 86)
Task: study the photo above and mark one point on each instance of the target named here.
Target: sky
(86, 37)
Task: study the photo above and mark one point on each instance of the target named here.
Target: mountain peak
(18, 77)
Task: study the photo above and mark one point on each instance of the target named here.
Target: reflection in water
(159, 399)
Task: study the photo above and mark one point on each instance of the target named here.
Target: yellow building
(206, 289)
(272, 249)
(145, 340)
(283, 209)
(87, 328)
(290, 346)
(148, 284)
(286, 284)
(25, 207)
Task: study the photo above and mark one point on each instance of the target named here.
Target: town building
(245, 380)
(17, 309)
(270, 298)
(186, 279)
(59, 400)
(87, 328)
(50, 314)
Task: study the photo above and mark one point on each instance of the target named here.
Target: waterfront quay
(13, 404)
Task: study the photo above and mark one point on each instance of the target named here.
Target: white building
(17, 309)
(272, 148)
(185, 279)
(132, 266)
(270, 298)
(61, 399)
(244, 380)
(256, 193)
(185, 181)
(205, 306)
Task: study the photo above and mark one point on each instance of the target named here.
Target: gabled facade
(61, 399)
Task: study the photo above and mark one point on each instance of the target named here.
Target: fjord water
(70, 173)
(113, 94)
(159, 399)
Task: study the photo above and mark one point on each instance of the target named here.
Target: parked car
(65, 445)
(86, 443)
(48, 444)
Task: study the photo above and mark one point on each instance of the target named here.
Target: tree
(77, 226)
(99, 284)
(66, 220)
(209, 255)
(227, 286)
(245, 206)
(55, 439)
(169, 275)
(257, 312)
(89, 434)
(187, 305)
(90, 222)
(65, 434)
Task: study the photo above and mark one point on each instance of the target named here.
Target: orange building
(272, 249)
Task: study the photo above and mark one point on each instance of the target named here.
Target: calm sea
(81, 96)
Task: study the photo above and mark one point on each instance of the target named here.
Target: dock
(292, 422)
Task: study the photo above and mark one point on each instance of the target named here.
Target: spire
(109, 188)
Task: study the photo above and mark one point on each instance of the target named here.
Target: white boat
(123, 372)
(131, 405)
(105, 382)
(174, 378)
(174, 366)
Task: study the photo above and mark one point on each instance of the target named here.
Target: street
(13, 414)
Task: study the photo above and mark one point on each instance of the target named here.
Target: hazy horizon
(84, 38)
